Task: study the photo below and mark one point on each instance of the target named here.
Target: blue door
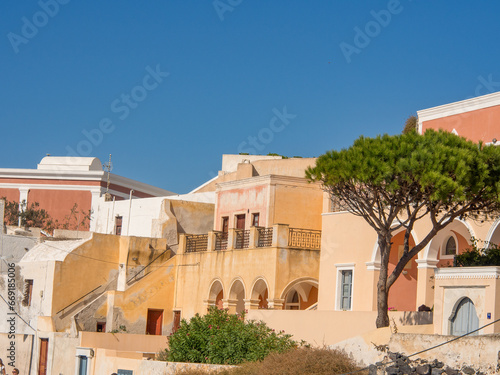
(465, 318)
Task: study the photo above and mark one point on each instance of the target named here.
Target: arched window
(451, 246)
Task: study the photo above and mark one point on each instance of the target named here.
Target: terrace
(278, 235)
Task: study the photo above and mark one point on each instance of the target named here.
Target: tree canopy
(393, 181)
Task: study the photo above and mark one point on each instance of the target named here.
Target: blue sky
(167, 87)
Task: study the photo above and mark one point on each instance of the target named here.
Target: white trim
(426, 263)
(492, 230)
(373, 265)
(467, 273)
(334, 213)
(456, 108)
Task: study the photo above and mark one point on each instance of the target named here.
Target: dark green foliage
(478, 257)
(221, 338)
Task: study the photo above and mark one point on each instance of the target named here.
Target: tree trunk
(382, 290)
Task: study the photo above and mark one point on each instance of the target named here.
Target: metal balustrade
(221, 240)
(265, 237)
(242, 239)
(196, 243)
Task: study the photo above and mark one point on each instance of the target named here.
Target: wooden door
(240, 221)
(42, 364)
(154, 323)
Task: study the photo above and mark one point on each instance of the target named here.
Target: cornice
(456, 108)
(467, 273)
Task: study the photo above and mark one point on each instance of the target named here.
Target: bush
(311, 361)
(489, 255)
(221, 338)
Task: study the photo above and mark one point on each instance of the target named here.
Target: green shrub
(489, 255)
(221, 338)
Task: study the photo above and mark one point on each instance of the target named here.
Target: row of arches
(299, 294)
(440, 252)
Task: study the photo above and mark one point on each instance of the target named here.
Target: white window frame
(443, 246)
(84, 352)
(338, 296)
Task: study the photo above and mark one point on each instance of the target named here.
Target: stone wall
(478, 352)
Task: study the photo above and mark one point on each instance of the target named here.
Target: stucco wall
(330, 327)
(276, 266)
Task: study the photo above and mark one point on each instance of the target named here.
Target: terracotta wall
(481, 124)
(58, 203)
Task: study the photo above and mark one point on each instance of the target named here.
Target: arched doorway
(260, 293)
(464, 318)
(237, 296)
(216, 294)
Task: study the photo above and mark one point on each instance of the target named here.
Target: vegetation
(221, 338)
(32, 216)
(410, 124)
(312, 361)
(394, 181)
(489, 255)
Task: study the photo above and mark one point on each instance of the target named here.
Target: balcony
(279, 235)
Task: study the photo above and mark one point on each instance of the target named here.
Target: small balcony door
(240, 221)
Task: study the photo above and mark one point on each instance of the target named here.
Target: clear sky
(167, 87)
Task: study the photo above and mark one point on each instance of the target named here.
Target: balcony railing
(196, 242)
(304, 238)
(279, 235)
(221, 240)
(242, 239)
(265, 237)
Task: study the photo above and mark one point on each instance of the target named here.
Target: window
(225, 224)
(118, 225)
(345, 289)
(255, 219)
(450, 247)
(28, 291)
(345, 282)
(101, 327)
(82, 365)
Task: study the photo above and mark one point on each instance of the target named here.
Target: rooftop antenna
(108, 166)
